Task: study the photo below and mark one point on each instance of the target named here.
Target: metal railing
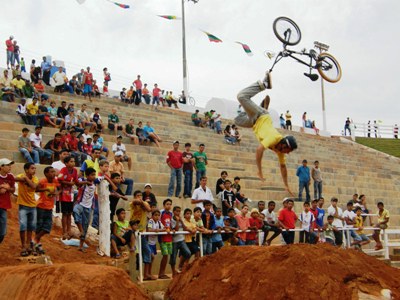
(374, 130)
(346, 241)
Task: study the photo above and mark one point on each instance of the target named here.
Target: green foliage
(388, 146)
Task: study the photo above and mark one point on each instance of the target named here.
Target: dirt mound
(67, 281)
(58, 252)
(298, 271)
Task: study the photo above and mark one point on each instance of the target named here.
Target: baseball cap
(119, 153)
(176, 142)
(5, 162)
(291, 142)
(254, 210)
(148, 185)
(119, 137)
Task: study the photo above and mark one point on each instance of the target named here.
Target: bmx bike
(188, 100)
(287, 31)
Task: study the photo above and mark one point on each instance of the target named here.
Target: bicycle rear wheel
(329, 68)
(287, 31)
(192, 101)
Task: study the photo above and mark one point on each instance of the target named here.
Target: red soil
(298, 271)
(67, 281)
(58, 252)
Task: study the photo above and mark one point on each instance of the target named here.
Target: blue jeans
(82, 216)
(218, 127)
(44, 152)
(28, 156)
(303, 185)
(317, 189)
(129, 186)
(10, 57)
(175, 173)
(199, 174)
(3, 224)
(146, 252)
(207, 245)
(35, 118)
(147, 98)
(95, 220)
(27, 218)
(187, 190)
(183, 250)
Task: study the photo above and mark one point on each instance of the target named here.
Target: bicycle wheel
(287, 31)
(192, 101)
(328, 67)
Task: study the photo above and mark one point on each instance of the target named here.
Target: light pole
(322, 47)
(184, 61)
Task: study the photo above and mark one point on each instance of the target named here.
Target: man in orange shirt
(39, 89)
(146, 94)
(48, 188)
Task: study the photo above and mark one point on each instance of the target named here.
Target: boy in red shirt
(175, 162)
(255, 225)
(156, 96)
(287, 219)
(7, 187)
(166, 240)
(243, 222)
(48, 188)
(68, 177)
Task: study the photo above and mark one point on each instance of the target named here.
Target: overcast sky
(362, 34)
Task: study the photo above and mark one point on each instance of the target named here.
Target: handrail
(384, 232)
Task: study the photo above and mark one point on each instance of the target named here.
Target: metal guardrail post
(385, 244)
(201, 244)
(140, 259)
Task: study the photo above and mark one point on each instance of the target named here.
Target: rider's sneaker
(267, 80)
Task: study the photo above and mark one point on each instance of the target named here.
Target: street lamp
(322, 47)
(184, 61)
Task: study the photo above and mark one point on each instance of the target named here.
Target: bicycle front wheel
(329, 68)
(287, 31)
(192, 101)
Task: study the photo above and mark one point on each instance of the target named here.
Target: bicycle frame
(291, 53)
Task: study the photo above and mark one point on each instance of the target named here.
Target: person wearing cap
(7, 187)
(196, 120)
(335, 211)
(36, 142)
(258, 118)
(119, 147)
(148, 196)
(303, 172)
(175, 162)
(116, 166)
(71, 120)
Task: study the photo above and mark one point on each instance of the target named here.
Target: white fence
(374, 130)
(385, 233)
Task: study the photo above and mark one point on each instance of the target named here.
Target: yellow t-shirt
(93, 164)
(288, 117)
(138, 213)
(19, 84)
(26, 194)
(267, 135)
(32, 109)
(359, 223)
(385, 215)
(189, 225)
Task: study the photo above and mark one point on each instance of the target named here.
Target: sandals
(83, 250)
(24, 253)
(117, 256)
(39, 249)
(164, 277)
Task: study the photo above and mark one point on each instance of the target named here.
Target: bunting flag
(269, 54)
(80, 1)
(246, 48)
(213, 38)
(169, 17)
(125, 6)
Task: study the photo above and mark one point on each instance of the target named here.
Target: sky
(362, 35)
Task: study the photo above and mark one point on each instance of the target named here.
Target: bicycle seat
(313, 77)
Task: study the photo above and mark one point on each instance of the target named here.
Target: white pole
(104, 218)
(323, 105)
(140, 258)
(201, 244)
(184, 61)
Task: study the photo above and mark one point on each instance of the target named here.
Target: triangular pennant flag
(213, 38)
(246, 49)
(169, 17)
(269, 54)
(125, 6)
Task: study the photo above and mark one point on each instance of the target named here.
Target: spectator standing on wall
(303, 172)
(317, 177)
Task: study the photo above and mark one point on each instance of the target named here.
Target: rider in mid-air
(259, 119)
